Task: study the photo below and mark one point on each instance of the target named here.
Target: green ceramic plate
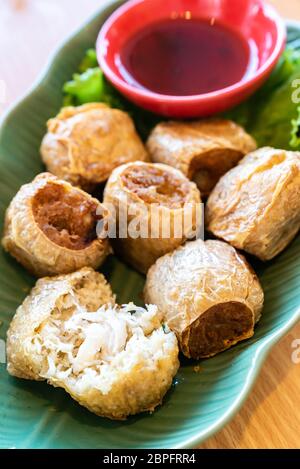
(35, 415)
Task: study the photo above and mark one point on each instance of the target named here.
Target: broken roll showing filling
(203, 150)
(157, 208)
(50, 227)
(208, 294)
(115, 361)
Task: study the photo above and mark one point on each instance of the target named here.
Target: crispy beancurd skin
(84, 144)
(157, 193)
(209, 296)
(50, 227)
(86, 286)
(256, 206)
(115, 361)
(203, 150)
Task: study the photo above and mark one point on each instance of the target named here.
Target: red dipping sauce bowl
(255, 21)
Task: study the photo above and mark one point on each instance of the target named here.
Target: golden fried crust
(50, 227)
(90, 289)
(39, 344)
(84, 144)
(256, 206)
(203, 150)
(139, 390)
(209, 296)
(138, 186)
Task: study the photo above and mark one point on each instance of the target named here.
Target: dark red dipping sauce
(184, 57)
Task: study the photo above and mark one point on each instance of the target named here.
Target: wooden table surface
(29, 30)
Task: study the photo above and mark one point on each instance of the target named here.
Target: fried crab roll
(84, 144)
(51, 227)
(157, 200)
(114, 360)
(209, 296)
(203, 150)
(256, 206)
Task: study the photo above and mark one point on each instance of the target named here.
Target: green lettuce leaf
(270, 114)
(273, 125)
(89, 61)
(85, 87)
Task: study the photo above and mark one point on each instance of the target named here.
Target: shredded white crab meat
(88, 349)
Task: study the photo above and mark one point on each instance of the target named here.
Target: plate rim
(267, 344)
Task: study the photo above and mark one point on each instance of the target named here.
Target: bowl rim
(150, 96)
